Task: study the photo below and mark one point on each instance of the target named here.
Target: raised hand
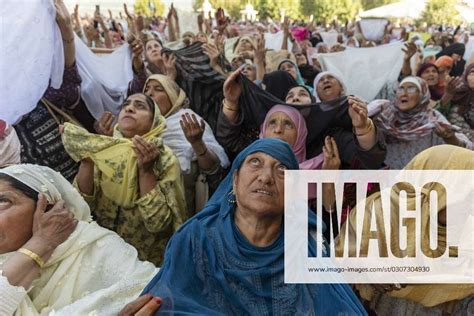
(212, 52)
(170, 66)
(410, 49)
(358, 112)
(261, 51)
(137, 52)
(147, 153)
(52, 227)
(105, 124)
(332, 161)
(232, 88)
(192, 128)
(63, 18)
(452, 83)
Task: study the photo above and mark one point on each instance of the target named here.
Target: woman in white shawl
(79, 268)
(190, 138)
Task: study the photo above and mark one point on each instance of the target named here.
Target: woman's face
(298, 95)
(259, 185)
(300, 59)
(431, 76)
(289, 68)
(135, 117)
(408, 96)
(328, 88)
(280, 125)
(249, 72)
(245, 45)
(155, 90)
(201, 37)
(153, 51)
(470, 79)
(188, 38)
(16, 218)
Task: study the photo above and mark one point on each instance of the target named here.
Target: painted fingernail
(158, 300)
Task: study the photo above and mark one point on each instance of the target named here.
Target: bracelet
(228, 107)
(203, 153)
(33, 256)
(369, 129)
(68, 41)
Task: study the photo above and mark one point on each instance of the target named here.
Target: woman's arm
(259, 58)
(409, 50)
(108, 39)
(85, 177)
(67, 33)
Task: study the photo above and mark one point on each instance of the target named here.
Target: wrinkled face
(201, 37)
(16, 218)
(153, 51)
(155, 90)
(280, 125)
(300, 59)
(298, 95)
(431, 76)
(470, 79)
(328, 88)
(408, 96)
(289, 68)
(188, 38)
(249, 72)
(259, 185)
(135, 117)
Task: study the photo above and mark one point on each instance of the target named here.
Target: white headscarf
(93, 271)
(320, 76)
(10, 148)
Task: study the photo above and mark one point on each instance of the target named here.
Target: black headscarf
(279, 83)
(308, 73)
(459, 49)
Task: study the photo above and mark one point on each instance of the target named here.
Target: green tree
(440, 12)
(327, 10)
(370, 4)
(144, 7)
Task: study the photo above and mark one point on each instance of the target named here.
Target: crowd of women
(177, 198)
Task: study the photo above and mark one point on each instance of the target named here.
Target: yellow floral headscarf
(176, 95)
(114, 157)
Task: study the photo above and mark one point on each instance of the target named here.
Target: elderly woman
(410, 125)
(190, 138)
(54, 260)
(132, 181)
(233, 249)
(291, 68)
(419, 299)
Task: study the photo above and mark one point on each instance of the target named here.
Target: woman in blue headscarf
(290, 67)
(228, 259)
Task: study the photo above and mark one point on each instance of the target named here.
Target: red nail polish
(158, 300)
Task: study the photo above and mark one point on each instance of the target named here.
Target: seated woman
(53, 259)
(189, 137)
(233, 249)
(410, 125)
(419, 299)
(131, 181)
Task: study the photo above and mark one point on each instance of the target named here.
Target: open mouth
(264, 192)
(327, 87)
(404, 100)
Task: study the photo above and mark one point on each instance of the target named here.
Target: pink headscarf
(299, 148)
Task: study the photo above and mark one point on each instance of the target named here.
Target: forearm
(366, 136)
(284, 44)
(20, 269)
(67, 34)
(85, 177)
(406, 68)
(108, 39)
(171, 32)
(230, 111)
(260, 70)
(207, 159)
(178, 32)
(146, 180)
(446, 100)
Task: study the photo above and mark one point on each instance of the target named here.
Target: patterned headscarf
(413, 124)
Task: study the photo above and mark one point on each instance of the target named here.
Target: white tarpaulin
(365, 70)
(330, 38)
(373, 29)
(31, 54)
(403, 9)
(469, 48)
(105, 78)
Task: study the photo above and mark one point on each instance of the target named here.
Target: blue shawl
(211, 269)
